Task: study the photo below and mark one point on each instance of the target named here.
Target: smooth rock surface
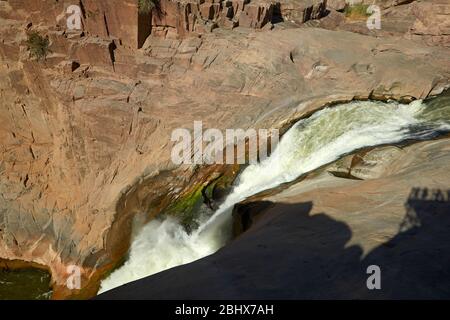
(84, 148)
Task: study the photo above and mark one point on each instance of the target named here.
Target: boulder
(255, 16)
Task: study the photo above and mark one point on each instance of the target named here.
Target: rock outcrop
(85, 133)
(175, 19)
(122, 20)
(426, 21)
(116, 18)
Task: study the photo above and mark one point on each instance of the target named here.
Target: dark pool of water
(25, 284)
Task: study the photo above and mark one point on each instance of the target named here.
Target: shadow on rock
(415, 264)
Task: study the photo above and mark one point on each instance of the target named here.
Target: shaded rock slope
(85, 132)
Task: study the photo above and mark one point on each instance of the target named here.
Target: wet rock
(316, 239)
(76, 165)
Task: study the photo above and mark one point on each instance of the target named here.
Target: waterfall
(311, 143)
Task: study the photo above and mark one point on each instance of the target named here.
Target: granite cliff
(85, 132)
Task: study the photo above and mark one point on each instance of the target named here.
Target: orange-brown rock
(255, 15)
(85, 133)
(301, 11)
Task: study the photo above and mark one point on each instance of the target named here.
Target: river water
(25, 284)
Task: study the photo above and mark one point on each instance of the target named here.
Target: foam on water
(308, 145)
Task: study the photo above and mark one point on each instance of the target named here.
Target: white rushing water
(309, 144)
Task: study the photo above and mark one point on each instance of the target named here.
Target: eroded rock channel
(87, 116)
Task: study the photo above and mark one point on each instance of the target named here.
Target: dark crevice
(25, 182)
(112, 47)
(106, 24)
(144, 28)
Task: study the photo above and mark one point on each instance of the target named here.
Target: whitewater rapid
(311, 143)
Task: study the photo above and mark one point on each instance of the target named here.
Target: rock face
(316, 239)
(85, 133)
(301, 11)
(427, 21)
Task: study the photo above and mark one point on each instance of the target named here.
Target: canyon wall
(85, 133)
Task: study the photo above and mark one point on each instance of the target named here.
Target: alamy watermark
(211, 146)
(73, 16)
